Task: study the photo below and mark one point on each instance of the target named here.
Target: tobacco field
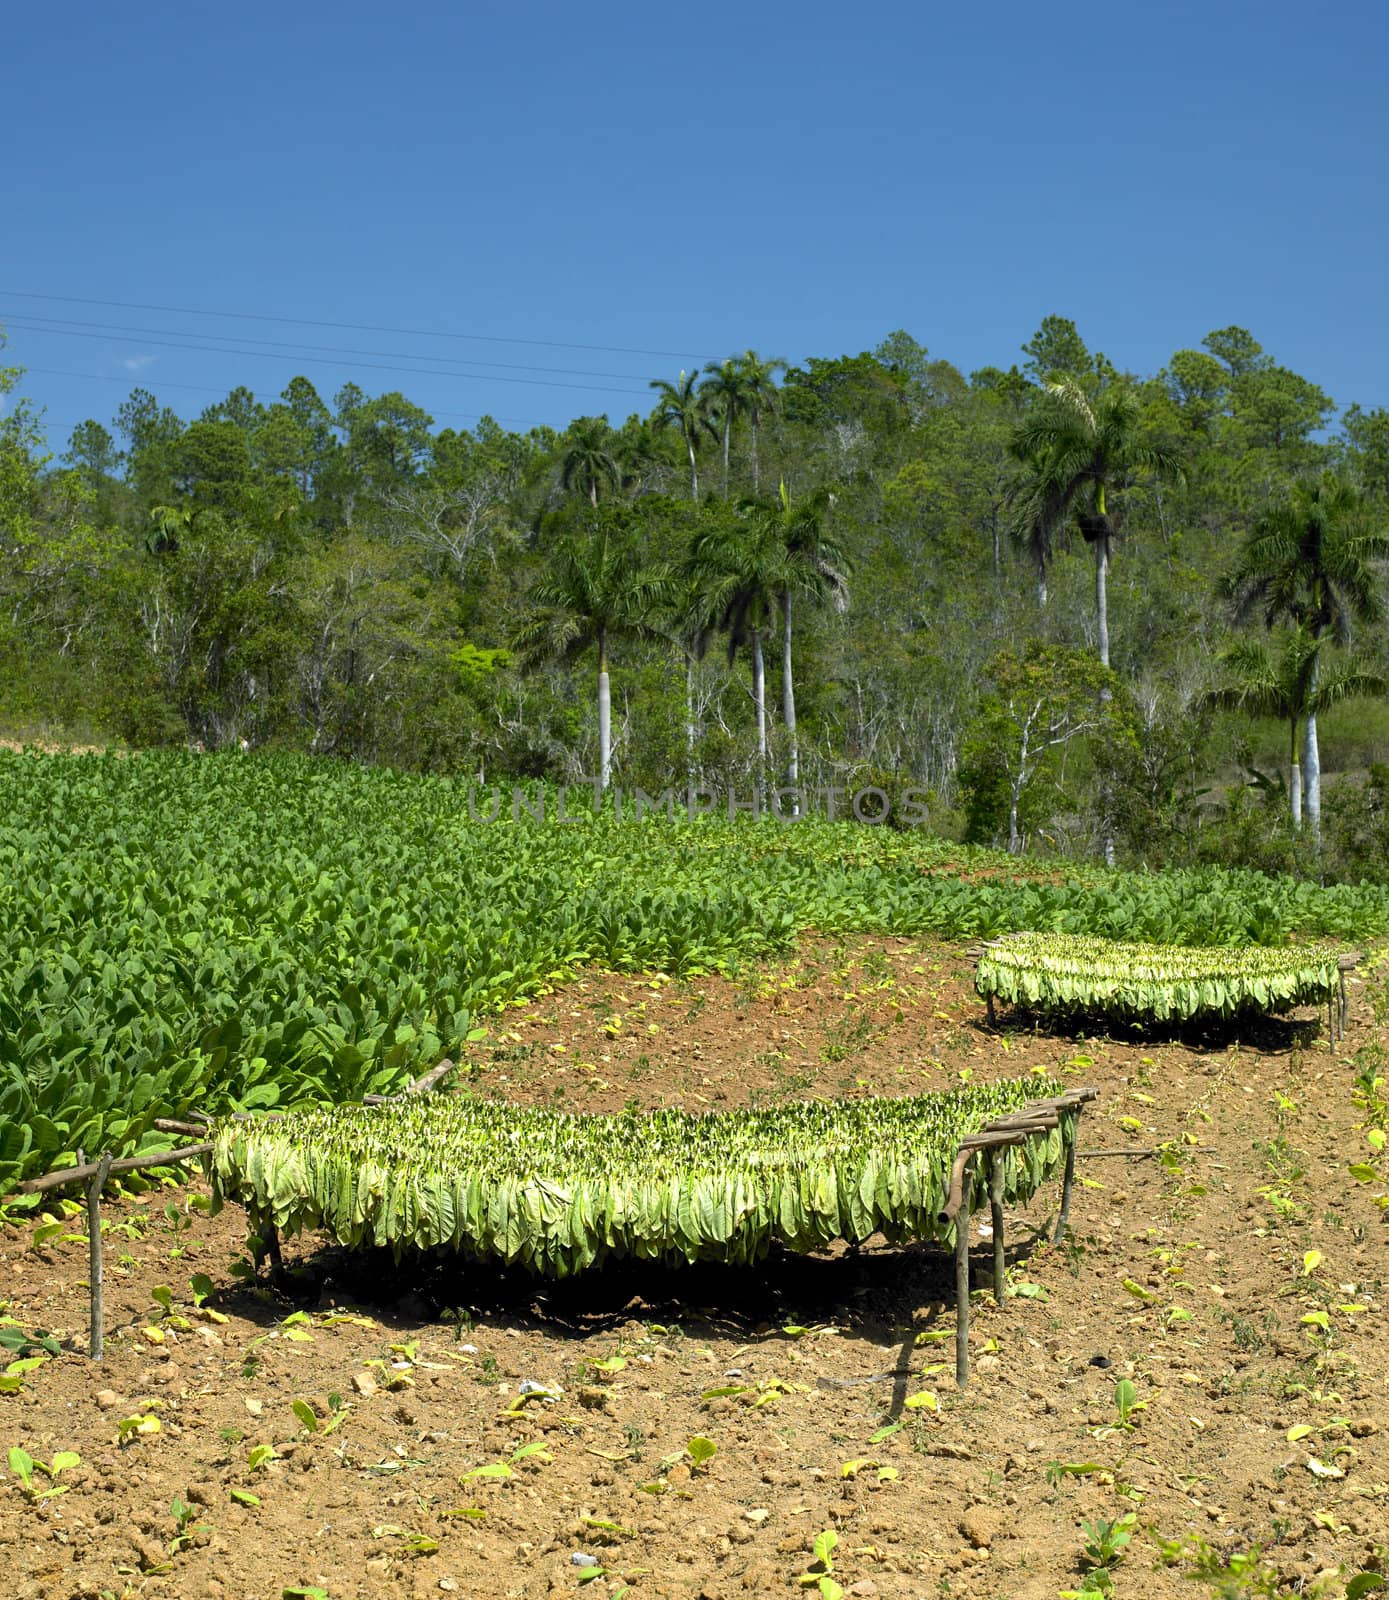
(216, 932)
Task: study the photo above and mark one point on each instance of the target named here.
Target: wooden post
(95, 1184)
(1068, 1182)
(269, 1249)
(996, 1160)
(962, 1281)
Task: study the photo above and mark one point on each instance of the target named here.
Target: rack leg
(1068, 1182)
(95, 1184)
(996, 1160)
(962, 1287)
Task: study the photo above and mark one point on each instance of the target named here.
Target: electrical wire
(355, 327)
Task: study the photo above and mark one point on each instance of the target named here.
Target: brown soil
(824, 1352)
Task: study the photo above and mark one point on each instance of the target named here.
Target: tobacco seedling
(184, 1528)
(1104, 1550)
(23, 1465)
(701, 1452)
(145, 1423)
(819, 1574)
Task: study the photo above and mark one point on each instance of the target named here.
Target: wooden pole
(95, 1184)
(962, 1281)
(1068, 1182)
(996, 1160)
(54, 1180)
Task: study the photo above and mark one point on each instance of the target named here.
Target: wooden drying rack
(1337, 1005)
(1037, 1116)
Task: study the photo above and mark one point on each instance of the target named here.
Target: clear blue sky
(681, 181)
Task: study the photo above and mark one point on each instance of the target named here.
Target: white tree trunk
(1102, 596)
(1311, 762)
(1102, 625)
(605, 731)
(1295, 792)
(788, 700)
(691, 732)
(759, 700)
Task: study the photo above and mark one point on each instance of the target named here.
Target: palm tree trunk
(759, 700)
(1295, 776)
(1102, 596)
(690, 730)
(1312, 765)
(1042, 587)
(605, 733)
(753, 421)
(788, 701)
(1102, 620)
(1311, 757)
(694, 470)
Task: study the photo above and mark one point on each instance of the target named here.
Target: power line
(57, 324)
(131, 380)
(378, 366)
(355, 327)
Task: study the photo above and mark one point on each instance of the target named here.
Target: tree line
(1088, 610)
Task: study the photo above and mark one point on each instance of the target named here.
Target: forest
(1088, 612)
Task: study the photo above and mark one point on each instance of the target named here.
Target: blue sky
(676, 183)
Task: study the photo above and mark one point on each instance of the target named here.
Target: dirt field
(1192, 1276)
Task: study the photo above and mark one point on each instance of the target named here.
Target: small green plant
(819, 1575)
(184, 1525)
(701, 1452)
(1107, 1539)
(1059, 1470)
(24, 1466)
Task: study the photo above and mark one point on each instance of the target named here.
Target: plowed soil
(825, 1385)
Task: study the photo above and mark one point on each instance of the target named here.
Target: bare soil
(1190, 1276)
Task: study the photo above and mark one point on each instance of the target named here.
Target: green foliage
(558, 1192)
(1053, 971)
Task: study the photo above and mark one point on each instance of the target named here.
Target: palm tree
(760, 394)
(724, 395)
(1312, 561)
(741, 567)
(690, 624)
(679, 405)
(587, 461)
(1079, 453)
(817, 568)
(592, 598)
(1289, 687)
